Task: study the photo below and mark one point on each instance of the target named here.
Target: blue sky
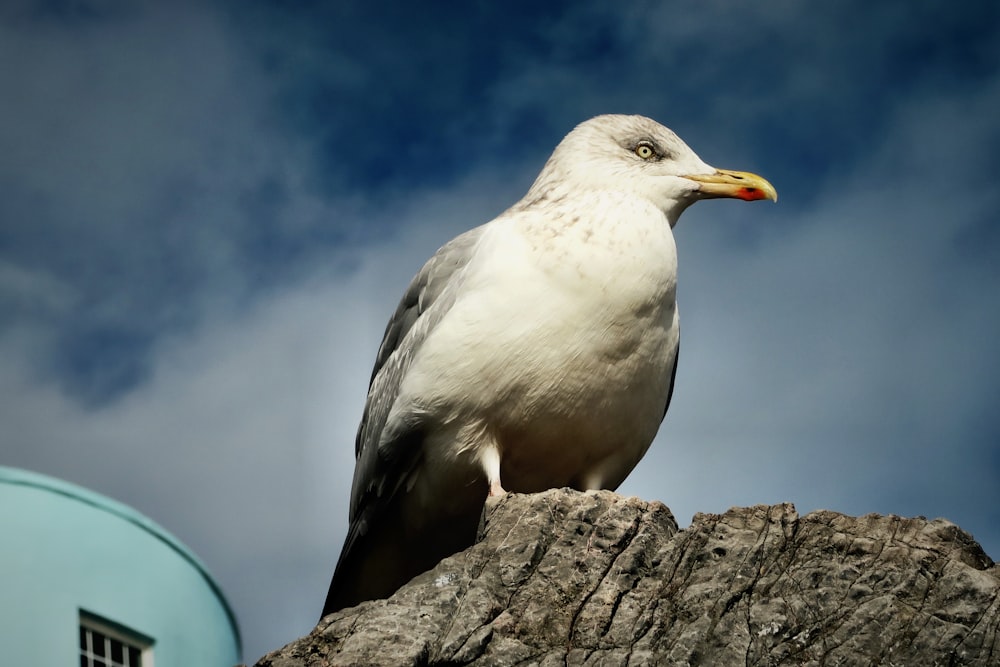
(208, 211)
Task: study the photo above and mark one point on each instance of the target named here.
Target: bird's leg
(490, 460)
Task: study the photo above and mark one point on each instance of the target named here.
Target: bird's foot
(496, 490)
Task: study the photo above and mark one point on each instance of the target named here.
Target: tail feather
(380, 556)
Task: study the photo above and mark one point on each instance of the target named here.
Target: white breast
(559, 350)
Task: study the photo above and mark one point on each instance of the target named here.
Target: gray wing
(370, 564)
(382, 466)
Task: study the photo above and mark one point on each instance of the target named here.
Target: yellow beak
(737, 184)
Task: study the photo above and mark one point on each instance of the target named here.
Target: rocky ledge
(568, 578)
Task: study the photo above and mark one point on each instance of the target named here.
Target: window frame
(115, 632)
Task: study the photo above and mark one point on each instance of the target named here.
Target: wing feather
(426, 301)
(387, 457)
(673, 376)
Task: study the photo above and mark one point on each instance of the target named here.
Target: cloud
(131, 159)
(240, 437)
(239, 441)
(843, 361)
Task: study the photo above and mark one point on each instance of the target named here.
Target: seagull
(536, 351)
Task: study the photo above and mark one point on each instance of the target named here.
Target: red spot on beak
(750, 194)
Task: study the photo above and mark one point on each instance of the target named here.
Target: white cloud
(241, 443)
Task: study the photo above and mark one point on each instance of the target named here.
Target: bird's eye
(645, 150)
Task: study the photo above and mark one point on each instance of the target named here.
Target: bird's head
(637, 155)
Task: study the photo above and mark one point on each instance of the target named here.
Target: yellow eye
(645, 151)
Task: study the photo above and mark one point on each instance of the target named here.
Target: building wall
(63, 548)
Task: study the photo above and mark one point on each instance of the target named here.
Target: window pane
(107, 644)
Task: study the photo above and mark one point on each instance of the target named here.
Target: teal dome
(89, 581)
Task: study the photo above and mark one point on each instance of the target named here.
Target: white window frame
(116, 632)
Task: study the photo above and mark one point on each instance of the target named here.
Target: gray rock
(568, 578)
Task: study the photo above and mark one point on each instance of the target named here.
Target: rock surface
(568, 578)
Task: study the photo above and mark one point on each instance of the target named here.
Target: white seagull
(536, 351)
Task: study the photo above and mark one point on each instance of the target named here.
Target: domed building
(88, 581)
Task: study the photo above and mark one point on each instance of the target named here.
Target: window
(104, 643)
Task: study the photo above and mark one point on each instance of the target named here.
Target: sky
(208, 211)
